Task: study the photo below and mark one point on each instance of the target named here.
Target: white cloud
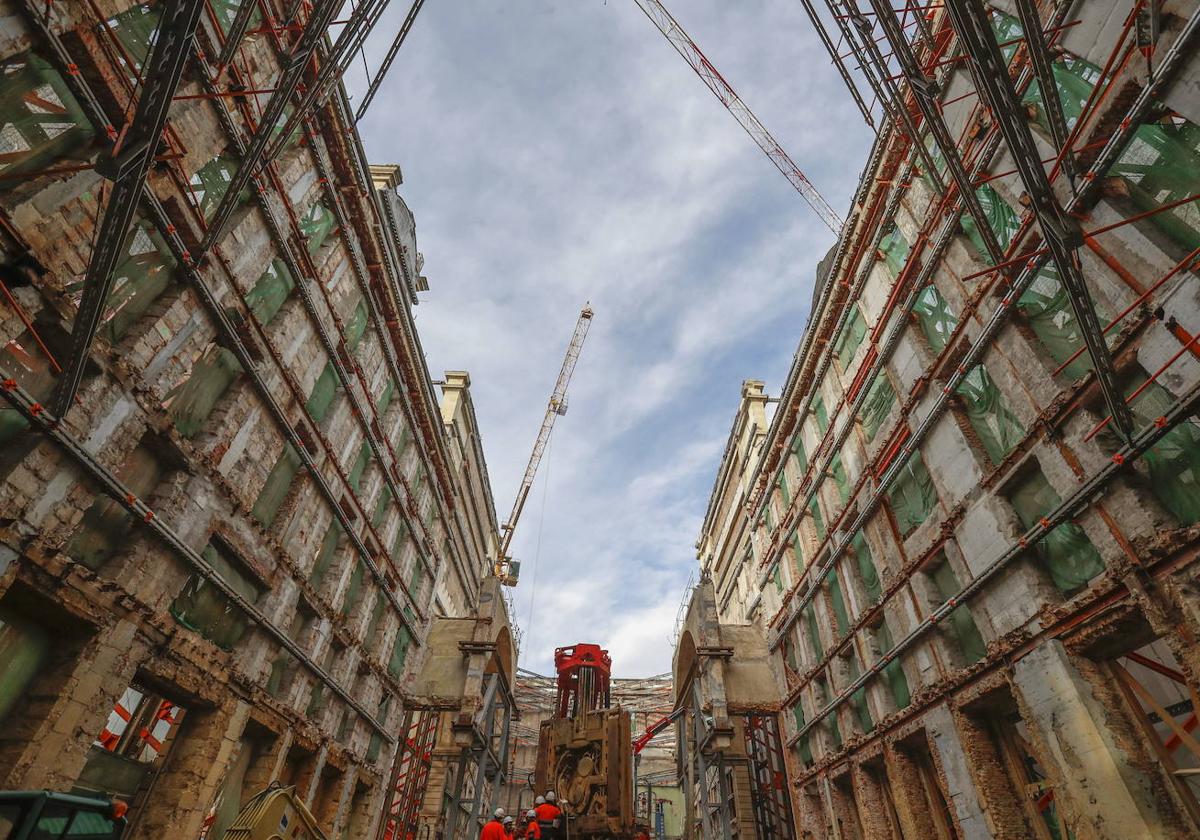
(558, 152)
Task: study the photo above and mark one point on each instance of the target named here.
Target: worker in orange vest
(533, 831)
(642, 833)
(550, 817)
(493, 829)
(509, 827)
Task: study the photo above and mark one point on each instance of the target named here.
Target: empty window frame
(271, 291)
(911, 496)
(25, 647)
(140, 732)
(1000, 216)
(40, 121)
(1172, 464)
(997, 428)
(202, 607)
(881, 396)
(106, 526)
(316, 225)
(191, 401)
(277, 486)
(959, 624)
(1067, 553)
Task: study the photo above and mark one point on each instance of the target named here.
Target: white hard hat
(532, 814)
(498, 813)
(541, 800)
(508, 819)
(550, 796)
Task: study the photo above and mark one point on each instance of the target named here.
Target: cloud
(557, 152)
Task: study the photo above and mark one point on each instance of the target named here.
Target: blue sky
(560, 152)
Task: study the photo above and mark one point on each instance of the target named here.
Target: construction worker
(509, 826)
(493, 829)
(533, 831)
(549, 817)
(643, 833)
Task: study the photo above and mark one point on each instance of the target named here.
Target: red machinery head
(583, 674)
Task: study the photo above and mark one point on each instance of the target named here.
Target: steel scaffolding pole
(843, 71)
(1042, 63)
(1060, 232)
(126, 165)
(401, 35)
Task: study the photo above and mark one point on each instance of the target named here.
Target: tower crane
(505, 568)
(711, 77)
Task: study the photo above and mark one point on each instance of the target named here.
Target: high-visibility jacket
(547, 812)
(533, 831)
(493, 830)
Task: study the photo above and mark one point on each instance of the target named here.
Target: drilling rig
(585, 752)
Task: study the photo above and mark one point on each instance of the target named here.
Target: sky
(556, 153)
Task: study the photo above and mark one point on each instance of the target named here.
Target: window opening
(935, 318)
(210, 183)
(834, 585)
(1066, 551)
(137, 30)
(912, 497)
(140, 731)
(40, 121)
(270, 292)
(893, 672)
(329, 545)
(1173, 463)
(837, 469)
(323, 392)
(814, 510)
(935, 799)
(107, 526)
(1029, 779)
(191, 402)
(1047, 310)
(850, 338)
(893, 247)
(818, 409)
(1001, 218)
(202, 607)
(276, 488)
(24, 650)
(316, 225)
(858, 699)
(877, 405)
(997, 428)
(960, 625)
(866, 567)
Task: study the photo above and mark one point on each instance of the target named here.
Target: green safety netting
(360, 465)
(375, 745)
(798, 452)
(893, 672)
(281, 666)
(1173, 462)
(818, 410)
(226, 11)
(831, 723)
(385, 397)
(399, 652)
(814, 635)
(798, 715)
(210, 182)
(789, 653)
(381, 506)
(316, 700)
(1073, 81)
(1007, 30)
(960, 624)
(935, 317)
(777, 578)
(814, 510)
(136, 29)
(200, 606)
(400, 538)
(912, 496)
(858, 700)
(416, 582)
(354, 590)
(939, 161)
(1046, 308)
(323, 392)
(797, 550)
(1068, 554)
(24, 649)
(40, 121)
(325, 554)
(270, 292)
(867, 572)
(768, 520)
(838, 470)
(106, 525)
(881, 396)
(316, 225)
(24, 361)
(894, 249)
(842, 618)
(270, 500)
(997, 428)
(784, 493)
(851, 337)
(356, 325)
(804, 750)
(192, 401)
(378, 610)
(1160, 165)
(141, 277)
(1001, 218)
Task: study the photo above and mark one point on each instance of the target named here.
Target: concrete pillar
(911, 806)
(960, 783)
(1006, 818)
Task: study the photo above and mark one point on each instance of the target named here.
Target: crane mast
(715, 82)
(556, 407)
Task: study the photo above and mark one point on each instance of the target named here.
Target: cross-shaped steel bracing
(126, 165)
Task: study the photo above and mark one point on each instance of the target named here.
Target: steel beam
(1059, 231)
(925, 91)
(1043, 70)
(831, 48)
(237, 31)
(126, 166)
(401, 35)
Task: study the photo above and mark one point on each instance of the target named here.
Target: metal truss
(126, 166)
(925, 91)
(1041, 61)
(401, 35)
(1060, 232)
(410, 775)
(237, 31)
(481, 767)
(768, 778)
(838, 62)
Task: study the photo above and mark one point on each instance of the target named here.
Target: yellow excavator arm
(275, 814)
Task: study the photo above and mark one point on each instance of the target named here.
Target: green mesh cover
(360, 465)
(798, 715)
(997, 428)
(837, 469)
(893, 672)
(210, 183)
(316, 225)
(200, 606)
(894, 249)
(106, 525)
(24, 650)
(939, 162)
(381, 506)
(934, 315)
(804, 750)
(831, 725)
(799, 454)
(1160, 165)
(270, 500)
(136, 29)
(814, 636)
(377, 613)
(1001, 218)
(270, 292)
(1007, 30)
(818, 410)
(814, 510)
(191, 402)
(322, 394)
(1068, 554)
(881, 396)
(354, 590)
(399, 652)
(1173, 462)
(768, 520)
(1073, 80)
(325, 554)
(416, 582)
(385, 396)
(858, 699)
(777, 578)
(959, 624)
(25, 362)
(866, 567)
(851, 337)
(1046, 308)
(226, 11)
(401, 537)
(797, 551)
(834, 585)
(356, 325)
(784, 493)
(912, 496)
(138, 280)
(40, 121)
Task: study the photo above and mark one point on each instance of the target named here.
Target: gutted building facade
(231, 499)
(967, 532)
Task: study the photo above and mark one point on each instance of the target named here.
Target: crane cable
(537, 550)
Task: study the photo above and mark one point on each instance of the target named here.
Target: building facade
(977, 583)
(220, 563)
